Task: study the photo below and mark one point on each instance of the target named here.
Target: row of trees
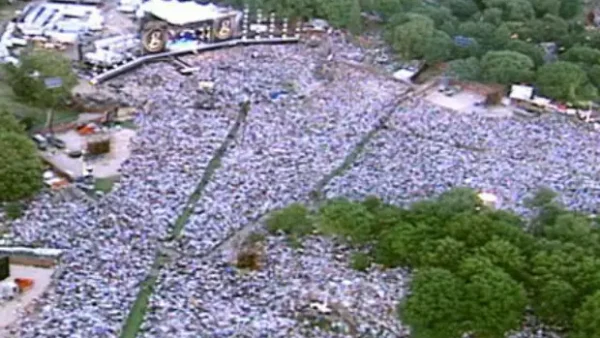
(476, 270)
(20, 165)
(499, 40)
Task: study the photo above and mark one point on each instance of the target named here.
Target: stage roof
(183, 13)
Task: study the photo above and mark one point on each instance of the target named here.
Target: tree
(534, 52)
(555, 302)
(27, 80)
(466, 69)
(506, 67)
(336, 11)
(573, 228)
(9, 124)
(549, 28)
(408, 38)
(493, 16)
(350, 220)
(355, 20)
(488, 36)
(570, 8)
(594, 75)
(543, 7)
(463, 9)
(445, 253)
(504, 255)
(20, 167)
(388, 8)
(440, 15)
(439, 47)
(292, 220)
(561, 80)
(397, 246)
(586, 322)
(513, 10)
(494, 301)
(582, 54)
(434, 307)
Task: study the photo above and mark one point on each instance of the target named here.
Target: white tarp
(404, 75)
(182, 13)
(519, 92)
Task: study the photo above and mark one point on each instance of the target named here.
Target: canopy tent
(488, 199)
(183, 13)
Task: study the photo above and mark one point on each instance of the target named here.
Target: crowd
(306, 116)
(109, 246)
(426, 149)
(283, 149)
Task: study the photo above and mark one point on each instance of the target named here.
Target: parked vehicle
(56, 142)
(74, 153)
(40, 141)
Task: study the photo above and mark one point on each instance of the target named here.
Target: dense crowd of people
(306, 116)
(426, 149)
(283, 149)
(109, 246)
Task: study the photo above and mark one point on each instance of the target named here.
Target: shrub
(292, 220)
(248, 258)
(347, 219)
(13, 210)
(360, 261)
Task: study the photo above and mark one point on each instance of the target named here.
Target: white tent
(488, 199)
(519, 92)
(183, 13)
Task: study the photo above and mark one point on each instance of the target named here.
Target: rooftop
(183, 13)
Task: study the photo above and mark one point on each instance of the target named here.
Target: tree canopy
(492, 31)
(20, 167)
(476, 270)
(564, 81)
(506, 67)
(8, 123)
(27, 80)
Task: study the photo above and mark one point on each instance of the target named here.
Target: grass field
(105, 184)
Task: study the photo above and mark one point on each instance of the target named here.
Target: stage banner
(154, 40)
(224, 28)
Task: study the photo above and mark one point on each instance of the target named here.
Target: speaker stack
(4, 268)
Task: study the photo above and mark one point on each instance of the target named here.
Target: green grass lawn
(105, 184)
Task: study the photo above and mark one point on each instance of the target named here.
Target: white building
(59, 22)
